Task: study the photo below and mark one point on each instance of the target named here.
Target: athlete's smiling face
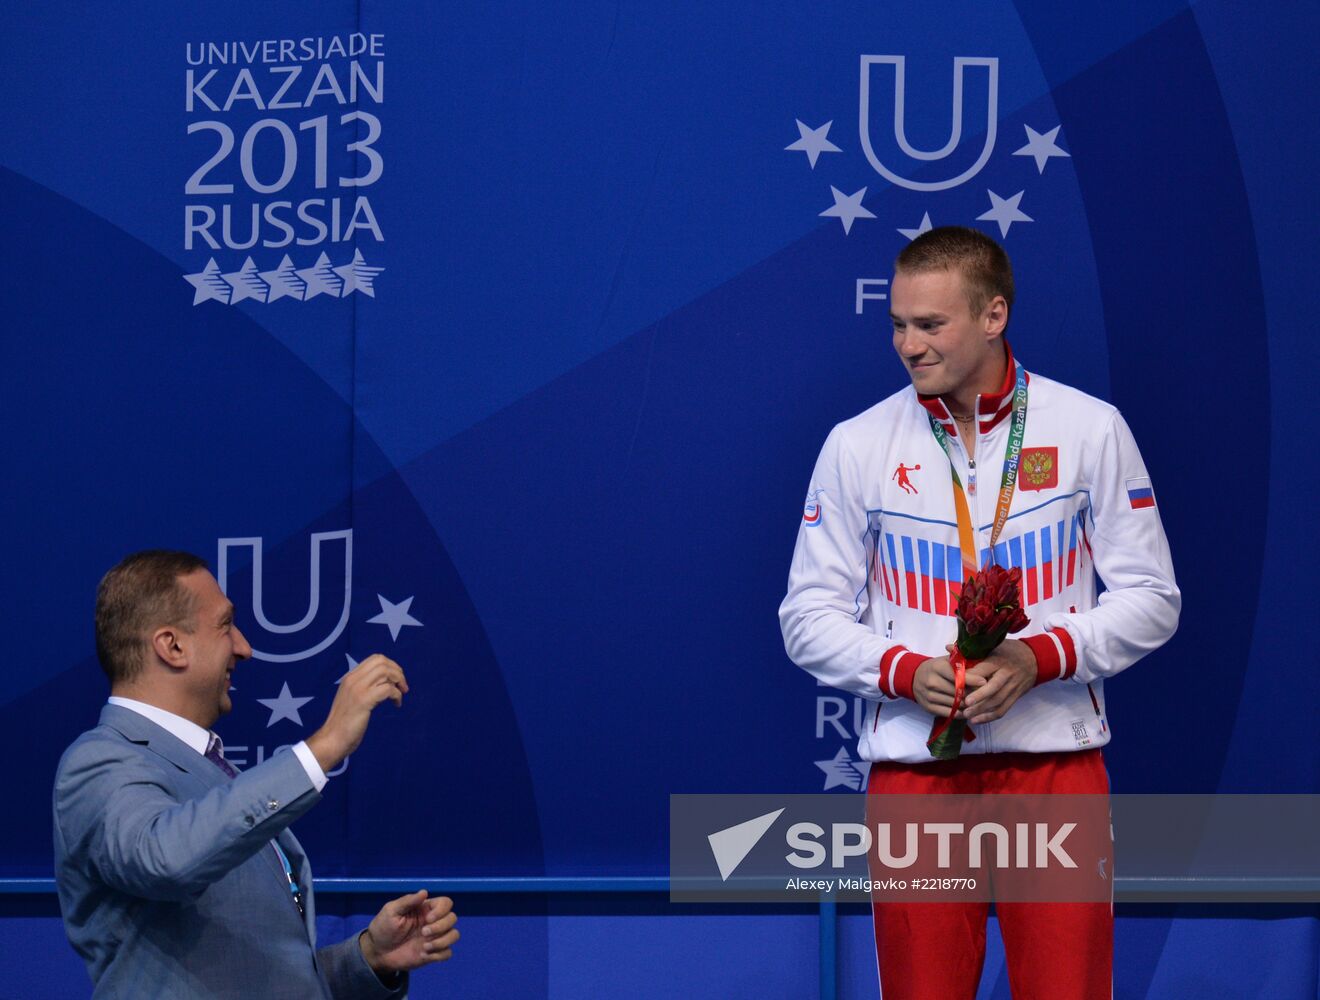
(946, 350)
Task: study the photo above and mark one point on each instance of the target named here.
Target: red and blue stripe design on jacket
(927, 575)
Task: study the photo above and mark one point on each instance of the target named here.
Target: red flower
(989, 608)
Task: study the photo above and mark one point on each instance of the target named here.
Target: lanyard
(1012, 456)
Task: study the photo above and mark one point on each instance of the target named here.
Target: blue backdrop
(502, 340)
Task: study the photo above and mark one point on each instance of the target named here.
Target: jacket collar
(991, 408)
(187, 731)
(137, 728)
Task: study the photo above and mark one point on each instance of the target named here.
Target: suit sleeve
(112, 807)
(820, 616)
(1138, 612)
(351, 978)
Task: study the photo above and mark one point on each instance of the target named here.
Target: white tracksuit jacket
(868, 593)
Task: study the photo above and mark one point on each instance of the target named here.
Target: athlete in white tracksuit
(868, 594)
(877, 568)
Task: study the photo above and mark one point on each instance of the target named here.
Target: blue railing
(1282, 889)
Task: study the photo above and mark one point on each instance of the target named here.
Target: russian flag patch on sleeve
(1139, 493)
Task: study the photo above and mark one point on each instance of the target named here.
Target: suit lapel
(140, 730)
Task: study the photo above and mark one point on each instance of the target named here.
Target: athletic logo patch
(1040, 469)
(901, 474)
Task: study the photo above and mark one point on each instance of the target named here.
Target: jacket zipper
(984, 730)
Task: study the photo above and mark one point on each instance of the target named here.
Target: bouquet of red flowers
(989, 608)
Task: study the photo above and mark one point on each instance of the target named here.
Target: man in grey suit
(178, 877)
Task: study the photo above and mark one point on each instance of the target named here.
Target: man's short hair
(140, 594)
(982, 262)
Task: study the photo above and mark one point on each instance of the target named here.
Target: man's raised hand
(374, 680)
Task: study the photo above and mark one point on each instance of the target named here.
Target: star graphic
(841, 771)
(247, 283)
(209, 284)
(284, 707)
(358, 276)
(352, 665)
(394, 615)
(1005, 211)
(321, 278)
(1041, 147)
(813, 141)
(284, 281)
(925, 227)
(847, 208)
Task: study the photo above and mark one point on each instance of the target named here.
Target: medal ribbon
(967, 533)
(1007, 482)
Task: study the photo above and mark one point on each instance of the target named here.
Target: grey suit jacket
(167, 882)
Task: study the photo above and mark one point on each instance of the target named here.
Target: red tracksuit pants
(1055, 951)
